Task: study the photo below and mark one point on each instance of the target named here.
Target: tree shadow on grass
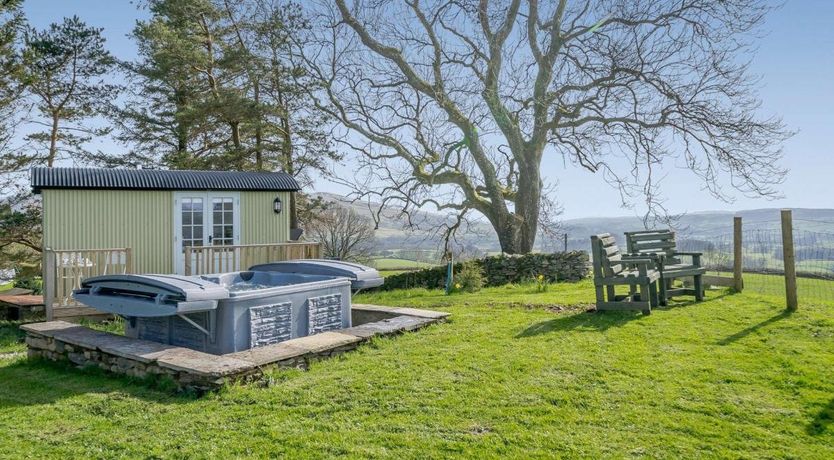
(822, 420)
(38, 382)
(589, 322)
(747, 331)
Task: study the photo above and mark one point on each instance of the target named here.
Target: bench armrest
(642, 262)
(696, 257)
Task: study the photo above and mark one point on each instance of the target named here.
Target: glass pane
(228, 231)
(197, 232)
(186, 204)
(186, 233)
(186, 218)
(218, 218)
(227, 217)
(198, 218)
(227, 204)
(217, 204)
(218, 231)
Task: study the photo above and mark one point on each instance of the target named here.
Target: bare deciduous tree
(342, 232)
(455, 104)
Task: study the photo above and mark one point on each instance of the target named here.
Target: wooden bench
(612, 268)
(660, 245)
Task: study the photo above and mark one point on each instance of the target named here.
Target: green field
(398, 264)
(513, 374)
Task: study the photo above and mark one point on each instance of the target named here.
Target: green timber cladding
(94, 209)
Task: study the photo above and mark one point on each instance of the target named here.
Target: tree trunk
(53, 141)
(259, 158)
(517, 230)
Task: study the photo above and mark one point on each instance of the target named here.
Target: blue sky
(795, 61)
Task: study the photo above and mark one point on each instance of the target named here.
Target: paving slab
(82, 336)
(262, 356)
(195, 362)
(135, 349)
(418, 312)
(323, 341)
(47, 328)
(387, 326)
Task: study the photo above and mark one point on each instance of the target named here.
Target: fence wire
(763, 265)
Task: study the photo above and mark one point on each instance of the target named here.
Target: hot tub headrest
(361, 276)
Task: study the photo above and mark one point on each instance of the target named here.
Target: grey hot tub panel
(230, 312)
(222, 313)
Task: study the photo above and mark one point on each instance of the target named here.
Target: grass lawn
(514, 374)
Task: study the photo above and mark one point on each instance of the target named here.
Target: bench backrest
(653, 242)
(606, 256)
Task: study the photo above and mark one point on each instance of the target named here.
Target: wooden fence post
(788, 257)
(738, 280)
(48, 279)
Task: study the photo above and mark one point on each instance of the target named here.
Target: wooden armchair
(661, 247)
(612, 268)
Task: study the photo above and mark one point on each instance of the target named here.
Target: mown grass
(514, 374)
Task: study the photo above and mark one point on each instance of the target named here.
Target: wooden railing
(205, 260)
(63, 271)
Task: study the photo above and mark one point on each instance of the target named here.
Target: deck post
(48, 276)
(187, 267)
(738, 280)
(128, 261)
(788, 257)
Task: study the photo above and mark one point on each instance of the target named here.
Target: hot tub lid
(361, 276)
(150, 295)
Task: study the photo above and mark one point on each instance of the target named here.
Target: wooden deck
(22, 306)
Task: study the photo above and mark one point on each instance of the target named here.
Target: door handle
(210, 239)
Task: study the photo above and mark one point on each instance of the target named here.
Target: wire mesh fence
(762, 260)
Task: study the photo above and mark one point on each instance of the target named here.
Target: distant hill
(701, 225)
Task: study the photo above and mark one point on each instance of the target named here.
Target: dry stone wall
(501, 270)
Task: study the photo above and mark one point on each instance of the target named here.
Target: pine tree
(65, 68)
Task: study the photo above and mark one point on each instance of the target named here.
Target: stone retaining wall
(85, 347)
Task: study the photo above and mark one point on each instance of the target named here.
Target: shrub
(33, 283)
(470, 278)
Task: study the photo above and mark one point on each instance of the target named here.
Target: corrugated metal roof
(158, 179)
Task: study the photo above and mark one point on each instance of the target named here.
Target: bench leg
(653, 292)
(664, 293)
(600, 294)
(612, 293)
(647, 293)
(699, 288)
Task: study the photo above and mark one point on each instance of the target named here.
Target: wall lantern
(277, 205)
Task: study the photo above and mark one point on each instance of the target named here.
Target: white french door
(206, 219)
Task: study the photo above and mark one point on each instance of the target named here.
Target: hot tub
(222, 313)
